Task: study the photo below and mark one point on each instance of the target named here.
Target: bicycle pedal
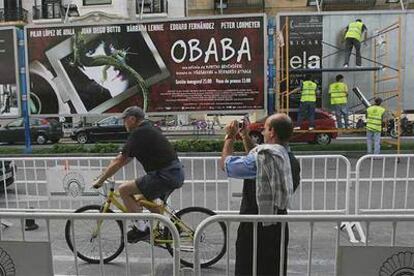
(134, 235)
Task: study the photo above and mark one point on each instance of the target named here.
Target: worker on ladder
(375, 114)
(307, 103)
(353, 38)
(338, 92)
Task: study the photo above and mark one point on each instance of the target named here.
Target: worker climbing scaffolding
(353, 38)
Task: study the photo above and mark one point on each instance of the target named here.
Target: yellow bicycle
(212, 243)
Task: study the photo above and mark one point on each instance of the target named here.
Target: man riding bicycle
(164, 171)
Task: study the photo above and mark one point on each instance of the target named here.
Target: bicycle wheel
(212, 243)
(87, 245)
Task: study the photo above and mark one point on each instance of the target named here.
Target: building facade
(18, 12)
(272, 7)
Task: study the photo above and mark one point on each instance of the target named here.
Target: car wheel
(41, 139)
(323, 139)
(256, 137)
(82, 138)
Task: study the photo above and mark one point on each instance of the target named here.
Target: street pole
(23, 89)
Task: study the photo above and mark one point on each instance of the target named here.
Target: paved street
(140, 259)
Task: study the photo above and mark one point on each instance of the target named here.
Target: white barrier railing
(312, 221)
(65, 183)
(205, 185)
(73, 217)
(385, 184)
(324, 187)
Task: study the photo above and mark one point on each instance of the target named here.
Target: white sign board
(71, 182)
(25, 258)
(236, 188)
(375, 260)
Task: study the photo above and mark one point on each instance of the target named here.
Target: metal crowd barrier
(57, 217)
(325, 185)
(385, 184)
(65, 183)
(312, 247)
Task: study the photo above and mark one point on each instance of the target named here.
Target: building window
(312, 2)
(96, 2)
(223, 3)
(151, 6)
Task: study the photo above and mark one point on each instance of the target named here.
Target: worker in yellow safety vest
(307, 103)
(338, 91)
(353, 37)
(374, 115)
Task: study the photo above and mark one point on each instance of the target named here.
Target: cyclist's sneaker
(134, 235)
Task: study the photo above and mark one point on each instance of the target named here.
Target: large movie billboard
(170, 66)
(9, 91)
(305, 49)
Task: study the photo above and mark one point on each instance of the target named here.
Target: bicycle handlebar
(110, 183)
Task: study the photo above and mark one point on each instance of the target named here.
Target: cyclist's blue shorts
(161, 183)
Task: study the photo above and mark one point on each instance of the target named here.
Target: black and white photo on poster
(9, 96)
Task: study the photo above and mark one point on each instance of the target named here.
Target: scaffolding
(380, 75)
(387, 83)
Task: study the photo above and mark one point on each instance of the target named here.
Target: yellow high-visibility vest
(338, 92)
(308, 91)
(355, 30)
(374, 118)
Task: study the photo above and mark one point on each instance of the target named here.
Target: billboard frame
(164, 20)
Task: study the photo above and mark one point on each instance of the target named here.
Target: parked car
(41, 131)
(323, 121)
(108, 129)
(7, 170)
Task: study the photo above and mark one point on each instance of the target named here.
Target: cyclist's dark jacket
(268, 238)
(147, 144)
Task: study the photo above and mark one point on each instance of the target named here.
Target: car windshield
(17, 123)
(110, 121)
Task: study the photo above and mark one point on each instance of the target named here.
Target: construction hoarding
(389, 48)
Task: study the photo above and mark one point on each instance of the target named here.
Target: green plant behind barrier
(203, 145)
(198, 146)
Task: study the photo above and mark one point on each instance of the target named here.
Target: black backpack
(295, 167)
